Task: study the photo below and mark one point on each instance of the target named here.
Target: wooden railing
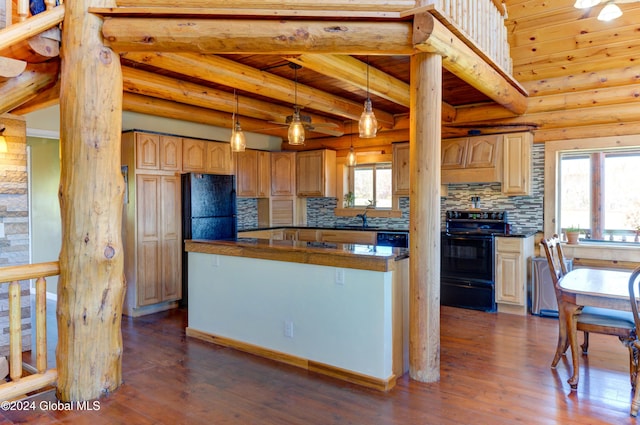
(42, 376)
(22, 11)
(481, 21)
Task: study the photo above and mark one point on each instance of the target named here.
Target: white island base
(343, 322)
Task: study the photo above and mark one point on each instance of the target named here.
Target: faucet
(363, 216)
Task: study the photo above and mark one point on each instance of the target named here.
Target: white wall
(245, 299)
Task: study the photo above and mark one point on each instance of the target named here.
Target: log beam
(364, 5)
(10, 68)
(224, 71)
(164, 108)
(91, 284)
(31, 27)
(155, 85)
(266, 36)
(424, 218)
(431, 36)
(349, 69)
(44, 99)
(35, 79)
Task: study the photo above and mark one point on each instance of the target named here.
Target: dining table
(583, 287)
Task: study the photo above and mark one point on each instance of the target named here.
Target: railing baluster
(41, 325)
(15, 332)
(23, 10)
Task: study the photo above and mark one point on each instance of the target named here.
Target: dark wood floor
(494, 370)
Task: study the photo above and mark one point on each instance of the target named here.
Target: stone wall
(14, 223)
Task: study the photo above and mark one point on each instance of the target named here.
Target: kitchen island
(336, 309)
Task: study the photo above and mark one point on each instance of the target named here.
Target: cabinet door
(149, 240)
(316, 173)
(482, 152)
(508, 278)
(247, 174)
(453, 153)
(147, 151)
(401, 178)
(170, 153)
(171, 248)
(263, 174)
(283, 173)
(219, 160)
(283, 211)
(517, 166)
(193, 155)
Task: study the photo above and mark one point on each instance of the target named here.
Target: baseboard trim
(149, 309)
(310, 365)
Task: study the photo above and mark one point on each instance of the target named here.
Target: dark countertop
(365, 257)
(367, 229)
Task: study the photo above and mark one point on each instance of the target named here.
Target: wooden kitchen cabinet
(400, 167)
(193, 155)
(316, 173)
(512, 273)
(170, 153)
(147, 150)
(253, 174)
(517, 164)
(472, 159)
(283, 173)
(152, 239)
(218, 158)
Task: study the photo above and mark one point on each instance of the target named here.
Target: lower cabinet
(152, 230)
(512, 273)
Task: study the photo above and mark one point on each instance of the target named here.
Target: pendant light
(238, 141)
(351, 156)
(295, 134)
(368, 125)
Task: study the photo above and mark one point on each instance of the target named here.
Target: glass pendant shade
(296, 130)
(238, 141)
(584, 4)
(609, 12)
(368, 124)
(351, 158)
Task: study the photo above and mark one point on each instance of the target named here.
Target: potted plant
(573, 233)
(349, 199)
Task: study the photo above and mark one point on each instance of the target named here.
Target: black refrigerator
(208, 212)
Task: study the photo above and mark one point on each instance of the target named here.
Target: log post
(424, 217)
(91, 286)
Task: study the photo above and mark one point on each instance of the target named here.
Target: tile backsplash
(525, 212)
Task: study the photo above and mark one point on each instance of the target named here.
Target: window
(372, 185)
(598, 194)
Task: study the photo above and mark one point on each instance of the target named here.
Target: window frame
(383, 164)
(553, 151)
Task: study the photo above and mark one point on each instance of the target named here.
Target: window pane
(383, 187)
(622, 198)
(575, 192)
(363, 185)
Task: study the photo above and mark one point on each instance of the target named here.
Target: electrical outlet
(288, 328)
(215, 260)
(339, 276)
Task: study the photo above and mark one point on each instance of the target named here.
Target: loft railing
(41, 377)
(481, 21)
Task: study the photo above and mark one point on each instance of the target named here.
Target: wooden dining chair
(633, 284)
(592, 319)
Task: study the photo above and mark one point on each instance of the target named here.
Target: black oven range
(467, 261)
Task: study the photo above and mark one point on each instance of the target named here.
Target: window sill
(371, 212)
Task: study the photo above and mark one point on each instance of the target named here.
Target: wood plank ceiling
(567, 60)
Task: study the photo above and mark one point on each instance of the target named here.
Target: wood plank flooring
(494, 370)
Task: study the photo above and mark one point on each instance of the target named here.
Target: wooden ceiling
(555, 49)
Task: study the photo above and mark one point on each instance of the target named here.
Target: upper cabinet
(253, 174)
(472, 159)
(518, 164)
(170, 153)
(283, 173)
(193, 155)
(316, 173)
(400, 168)
(147, 151)
(219, 159)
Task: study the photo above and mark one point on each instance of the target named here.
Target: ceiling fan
(609, 12)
